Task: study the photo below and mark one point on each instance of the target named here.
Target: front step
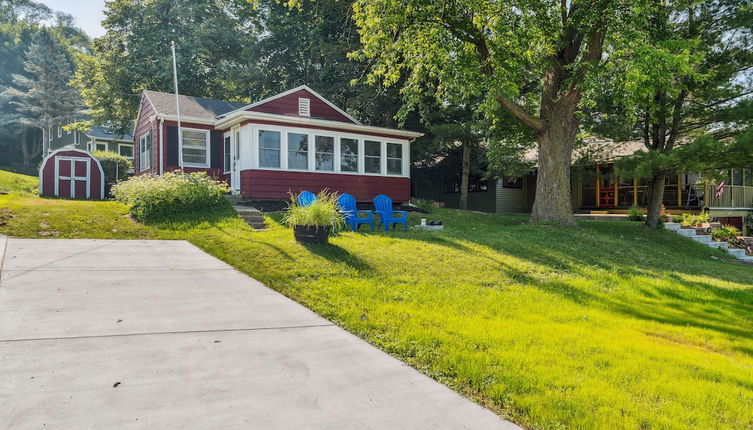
(737, 253)
(252, 216)
(702, 238)
(720, 245)
(687, 232)
(672, 226)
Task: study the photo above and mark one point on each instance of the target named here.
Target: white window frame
(96, 146)
(335, 142)
(227, 144)
(311, 149)
(382, 162)
(254, 162)
(120, 145)
(283, 149)
(207, 146)
(359, 154)
(142, 144)
(387, 158)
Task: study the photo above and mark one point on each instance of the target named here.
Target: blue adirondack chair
(387, 216)
(305, 198)
(354, 217)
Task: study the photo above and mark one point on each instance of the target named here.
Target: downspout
(161, 143)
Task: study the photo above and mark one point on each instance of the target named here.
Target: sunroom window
(269, 149)
(195, 148)
(372, 156)
(226, 150)
(298, 151)
(394, 159)
(325, 153)
(348, 155)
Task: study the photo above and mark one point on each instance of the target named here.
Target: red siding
(275, 185)
(288, 105)
(48, 176)
(147, 121)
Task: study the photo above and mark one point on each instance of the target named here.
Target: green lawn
(609, 325)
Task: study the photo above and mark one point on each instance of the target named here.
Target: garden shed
(73, 174)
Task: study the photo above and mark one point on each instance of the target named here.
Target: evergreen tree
(44, 98)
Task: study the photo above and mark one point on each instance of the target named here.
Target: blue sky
(88, 13)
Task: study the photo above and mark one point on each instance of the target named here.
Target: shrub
(323, 212)
(426, 205)
(725, 233)
(635, 214)
(154, 198)
(115, 166)
(749, 223)
(677, 218)
(689, 220)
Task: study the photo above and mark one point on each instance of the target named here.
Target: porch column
(635, 192)
(679, 190)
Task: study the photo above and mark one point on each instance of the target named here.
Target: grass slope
(610, 325)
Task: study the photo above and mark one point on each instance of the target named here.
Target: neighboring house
(597, 189)
(99, 138)
(294, 141)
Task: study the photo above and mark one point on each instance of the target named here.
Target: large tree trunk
(655, 197)
(553, 201)
(465, 176)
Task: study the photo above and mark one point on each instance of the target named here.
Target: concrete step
(702, 238)
(687, 232)
(672, 226)
(251, 216)
(720, 245)
(736, 252)
(747, 258)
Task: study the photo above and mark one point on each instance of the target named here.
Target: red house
(290, 142)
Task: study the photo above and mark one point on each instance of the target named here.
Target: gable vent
(304, 107)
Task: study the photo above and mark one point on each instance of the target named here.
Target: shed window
(325, 153)
(195, 148)
(348, 155)
(145, 151)
(269, 149)
(394, 159)
(372, 156)
(304, 107)
(298, 151)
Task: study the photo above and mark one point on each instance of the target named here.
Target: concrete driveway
(104, 334)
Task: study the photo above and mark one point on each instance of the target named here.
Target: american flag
(720, 190)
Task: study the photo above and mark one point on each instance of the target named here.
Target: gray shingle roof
(100, 132)
(195, 107)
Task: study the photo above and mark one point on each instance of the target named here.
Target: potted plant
(313, 222)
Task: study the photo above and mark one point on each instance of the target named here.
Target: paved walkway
(100, 334)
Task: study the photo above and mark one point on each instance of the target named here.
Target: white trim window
(125, 150)
(195, 148)
(60, 132)
(269, 149)
(100, 146)
(372, 156)
(394, 158)
(304, 106)
(145, 151)
(298, 151)
(325, 153)
(348, 155)
(226, 152)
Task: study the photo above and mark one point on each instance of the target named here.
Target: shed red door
(72, 177)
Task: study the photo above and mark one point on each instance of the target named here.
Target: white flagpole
(177, 107)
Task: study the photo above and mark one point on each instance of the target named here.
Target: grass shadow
(337, 254)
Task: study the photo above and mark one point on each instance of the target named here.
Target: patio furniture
(383, 205)
(352, 214)
(305, 198)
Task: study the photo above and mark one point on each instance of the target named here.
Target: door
(235, 165)
(72, 177)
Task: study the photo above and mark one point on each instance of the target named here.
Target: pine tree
(44, 98)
